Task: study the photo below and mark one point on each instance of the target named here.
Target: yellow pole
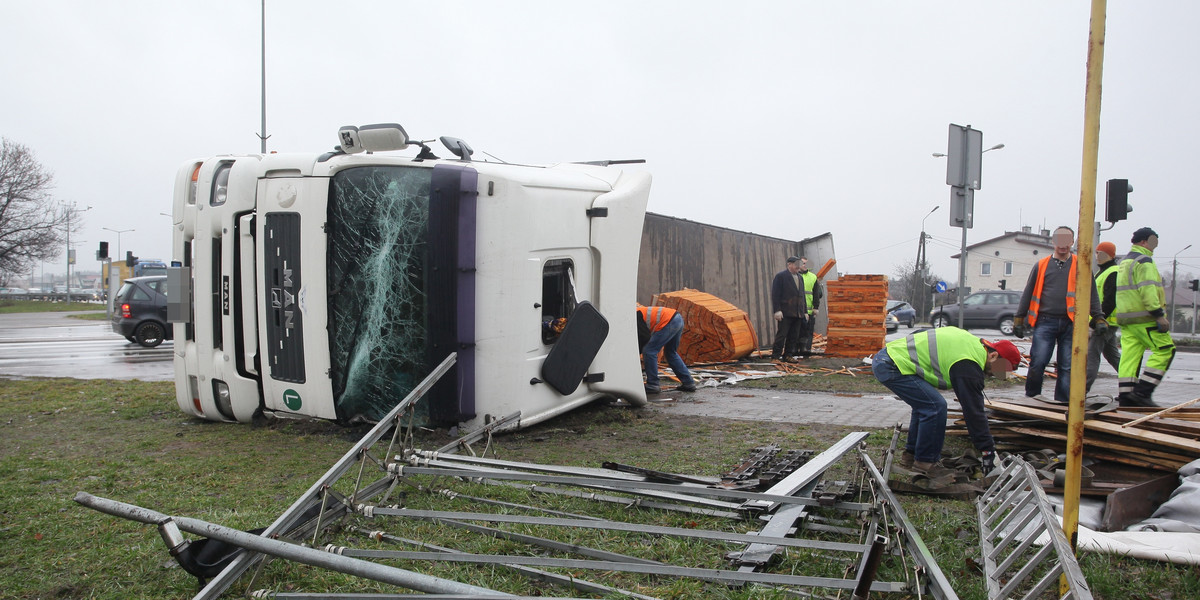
(1083, 285)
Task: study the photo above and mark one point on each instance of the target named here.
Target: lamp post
(1174, 269)
(70, 257)
(118, 232)
(919, 291)
(962, 189)
(996, 147)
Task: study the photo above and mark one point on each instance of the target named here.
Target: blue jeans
(666, 340)
(927, 426)
(1050, 333)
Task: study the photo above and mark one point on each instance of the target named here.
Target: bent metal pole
(301, 554)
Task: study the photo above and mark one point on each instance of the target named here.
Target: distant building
(1009, 258)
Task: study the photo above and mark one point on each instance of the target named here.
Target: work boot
(933, 470)
(688, 387)
(932, 475)
(906, 460)
(1135, 399)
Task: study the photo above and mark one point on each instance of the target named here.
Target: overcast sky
(787, 119)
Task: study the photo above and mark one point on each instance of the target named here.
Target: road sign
(940, 287)
(964, 157)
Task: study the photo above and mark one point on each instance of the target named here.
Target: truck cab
(329, 285)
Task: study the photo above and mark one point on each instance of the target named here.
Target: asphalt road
(56, 345)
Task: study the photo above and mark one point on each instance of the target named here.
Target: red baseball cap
(1007, 350)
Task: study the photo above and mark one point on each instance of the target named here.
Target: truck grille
(285, 325)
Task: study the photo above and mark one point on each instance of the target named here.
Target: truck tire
(149, 334)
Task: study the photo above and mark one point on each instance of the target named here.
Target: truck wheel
(149, 334)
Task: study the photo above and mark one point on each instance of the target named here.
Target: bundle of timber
(1147, 438)
(714, 330)
(856, 306)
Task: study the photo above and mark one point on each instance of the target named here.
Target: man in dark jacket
(1104, 341)
(787, 302)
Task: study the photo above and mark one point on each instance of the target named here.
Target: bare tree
(32, 222)
(911, 283)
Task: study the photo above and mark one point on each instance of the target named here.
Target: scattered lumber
(714, 331)
(856, 307)
(1122, 435)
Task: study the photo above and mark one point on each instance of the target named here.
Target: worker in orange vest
(659, 329)
(1048, 306)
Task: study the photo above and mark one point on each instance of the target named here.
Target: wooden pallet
(856, 306)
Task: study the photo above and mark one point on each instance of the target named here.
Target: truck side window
(558, 297)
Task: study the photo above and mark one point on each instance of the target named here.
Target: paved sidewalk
(867, 411)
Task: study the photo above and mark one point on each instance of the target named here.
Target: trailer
(328, 285)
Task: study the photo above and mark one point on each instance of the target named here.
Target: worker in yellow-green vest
(812, 299)
(1104, 341)
(1143, 321)
(918, 365)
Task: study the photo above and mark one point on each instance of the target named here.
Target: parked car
(905, 313)
(140, 311)
(982, 310)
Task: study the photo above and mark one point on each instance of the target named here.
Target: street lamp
(1174, 268)
(118, 232)
(919, 282)
(996, 147)
(70, 258)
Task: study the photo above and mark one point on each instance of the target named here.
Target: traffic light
(1194, 285)
(1116, 200)
(102, 253)
(130, 259)
(1003, 283)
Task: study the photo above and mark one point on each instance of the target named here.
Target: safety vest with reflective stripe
(810, 281)
(1139, 288)
(656, 317)
(1100, 279)
(929, 354)
(1035, 300)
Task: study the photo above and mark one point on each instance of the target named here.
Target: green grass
(29, 306)
(90, 316)
(127, 440)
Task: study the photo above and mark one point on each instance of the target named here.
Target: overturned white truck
(329, 285)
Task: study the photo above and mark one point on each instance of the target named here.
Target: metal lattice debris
(401, 496)
(1013, 514)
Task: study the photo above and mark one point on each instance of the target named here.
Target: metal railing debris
(1013, 514)
(793, 522)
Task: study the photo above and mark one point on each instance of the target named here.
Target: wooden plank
(1189, 446)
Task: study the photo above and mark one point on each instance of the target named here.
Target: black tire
(940, 321)
(131, 339)
(1006, 325)
(149, 334)
(909, 324)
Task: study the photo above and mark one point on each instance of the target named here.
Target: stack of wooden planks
(1164, 442)
(714, 330)
(856, 307)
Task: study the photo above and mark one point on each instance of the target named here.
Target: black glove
(989, 462)
(1163, 326)
(1099, 325)
(1019, 327)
